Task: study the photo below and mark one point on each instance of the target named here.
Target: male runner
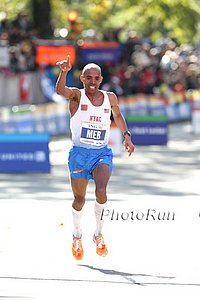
(90, 158)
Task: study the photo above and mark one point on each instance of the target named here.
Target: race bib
(93, 134)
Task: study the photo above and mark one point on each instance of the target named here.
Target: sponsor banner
(21, 117)
(48, 55)
(179, 112)
(49, 118)
(155, 105)
(148, 130)
(24, 153)
(100, 52)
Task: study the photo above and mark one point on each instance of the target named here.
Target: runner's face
(91, 80)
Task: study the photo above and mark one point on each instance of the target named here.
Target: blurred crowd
(18, 36)
(144, 66)
(154, 68)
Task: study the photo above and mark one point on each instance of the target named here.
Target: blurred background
(149, 52)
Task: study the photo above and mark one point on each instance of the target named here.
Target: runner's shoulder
(75, 94)
(113, 98)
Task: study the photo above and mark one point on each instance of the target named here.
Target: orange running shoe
(77, 249)
(101, 248)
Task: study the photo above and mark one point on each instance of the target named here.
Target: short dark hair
(91, 66)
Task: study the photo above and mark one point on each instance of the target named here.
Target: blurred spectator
(3, 22)
(22, 24)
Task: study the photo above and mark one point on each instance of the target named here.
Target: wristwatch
(126, 133)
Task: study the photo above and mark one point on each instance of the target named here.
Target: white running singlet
(90, 125)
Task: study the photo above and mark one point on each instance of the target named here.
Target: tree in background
(179, 19)
(42, 20)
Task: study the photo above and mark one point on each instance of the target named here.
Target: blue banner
(24, 153)
(102, 52)
(148, 130)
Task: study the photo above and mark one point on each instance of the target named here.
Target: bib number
(93, 134)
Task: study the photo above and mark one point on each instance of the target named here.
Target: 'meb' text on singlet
(90, 125)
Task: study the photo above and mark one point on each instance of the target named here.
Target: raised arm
(61, 88)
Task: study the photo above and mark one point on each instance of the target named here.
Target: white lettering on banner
(149, 130)
(102, 56)
(38, 156)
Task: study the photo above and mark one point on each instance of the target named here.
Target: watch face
(126, 133)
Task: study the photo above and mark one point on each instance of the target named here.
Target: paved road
(151, 227)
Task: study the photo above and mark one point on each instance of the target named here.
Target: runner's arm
(120, 122)
(117, 115)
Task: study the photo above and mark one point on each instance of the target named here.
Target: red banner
(49, 55)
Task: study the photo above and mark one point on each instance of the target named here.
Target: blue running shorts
(83, 161)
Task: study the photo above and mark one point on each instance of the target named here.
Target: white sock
(98, 210)
(77, 215)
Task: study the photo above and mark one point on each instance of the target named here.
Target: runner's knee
(78, 202)
(100, 193)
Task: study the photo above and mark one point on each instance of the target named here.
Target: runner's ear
(81, 78)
